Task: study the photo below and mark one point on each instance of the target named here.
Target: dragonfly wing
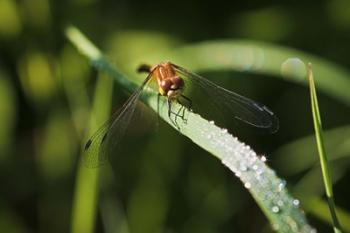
(106, 139)
(242, 108)
(92, 155)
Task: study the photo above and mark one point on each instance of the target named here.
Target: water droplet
(296, 202)
(263, 158)
(282, 185)
(247, 185)
(238, 174)
(293, 67)
(275, 209)
(255, 167)
(259, 172)
(224, 130)
(253, 157)
(293, 225)
(280, 203)
(275, 227)
(243, 167)
(212, 122)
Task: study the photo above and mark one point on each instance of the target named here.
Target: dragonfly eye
(177, 82)
(166, 84)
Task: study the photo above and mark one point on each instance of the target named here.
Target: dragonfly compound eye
(165, 84)
(178, 82)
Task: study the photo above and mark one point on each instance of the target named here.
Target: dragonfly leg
(171, 112)
(187, 105)
(181, 115)
(158, 98)
(189, 101)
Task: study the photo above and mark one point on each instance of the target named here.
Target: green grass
(87, 180)
(268, 190)
(321, 151)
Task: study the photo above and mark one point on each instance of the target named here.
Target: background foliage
(162, 183)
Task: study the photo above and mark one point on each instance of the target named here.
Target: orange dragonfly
(171, 80)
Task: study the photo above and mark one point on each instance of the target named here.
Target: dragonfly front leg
(171, 112)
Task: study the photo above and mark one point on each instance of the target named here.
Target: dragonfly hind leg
(171, 112)
(180, 113)
(187, 105)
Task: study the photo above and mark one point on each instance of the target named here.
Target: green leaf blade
(268, 190)
(321, 150)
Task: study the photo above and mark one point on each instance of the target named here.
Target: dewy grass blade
(268, 190)
(321, 150)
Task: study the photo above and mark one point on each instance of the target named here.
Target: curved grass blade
(267, 189)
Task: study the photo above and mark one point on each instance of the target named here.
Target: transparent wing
(105, 140)
(242, 108)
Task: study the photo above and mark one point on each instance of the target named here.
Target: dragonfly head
(171, 87)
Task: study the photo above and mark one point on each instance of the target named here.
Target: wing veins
(96, 149)
(252, 112)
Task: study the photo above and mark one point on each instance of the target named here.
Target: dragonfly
(171, 80)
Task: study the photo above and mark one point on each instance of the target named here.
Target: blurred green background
(160, 181)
